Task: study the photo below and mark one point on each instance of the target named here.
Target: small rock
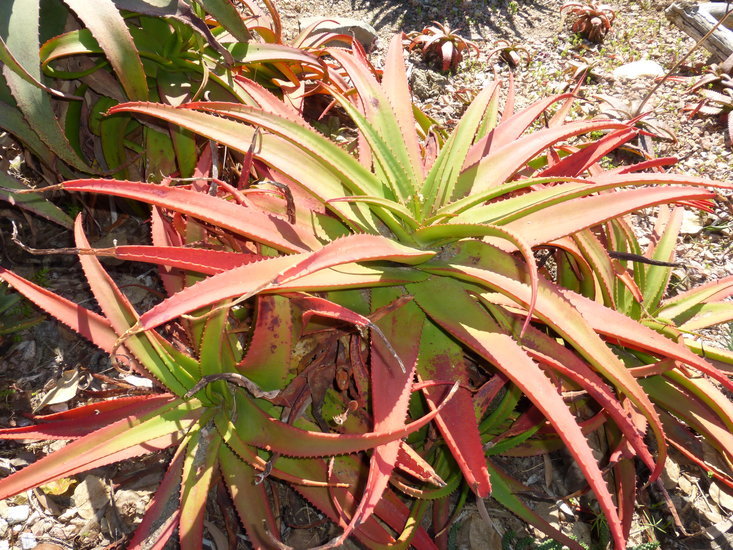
(639, 69)
(721, 498)
(3, 528)
(671, 474)
(90, 497)
(17, 514)
(482, 535)
(685, 485)
(28, 541)
(363, 32)
(690, 223)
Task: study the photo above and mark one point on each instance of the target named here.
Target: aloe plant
(129, 50)
(389, 289)
(440, 45)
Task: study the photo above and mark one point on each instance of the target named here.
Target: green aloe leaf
(21, 28)
(199, 468)
(32, 203)
(227, 15)
(109, 29)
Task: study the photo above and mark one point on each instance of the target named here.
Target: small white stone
(17, 514)
(28, 541)
(638, 69)
(690, 223)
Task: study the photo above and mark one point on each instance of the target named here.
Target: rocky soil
(81, 516)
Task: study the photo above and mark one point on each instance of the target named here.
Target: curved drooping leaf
(268, 229)
(475, 330)
(92, 326)
(149, 348)
(273, 273)
(109, 29)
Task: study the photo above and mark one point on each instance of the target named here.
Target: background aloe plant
(378, 282)
(129, 50)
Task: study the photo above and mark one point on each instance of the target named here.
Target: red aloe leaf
(624, 474)
(248, 222)
(476, 330)
(412, 463)
(402, 328)
(509, 130)
(162, 513)
(90, 325)
(442, 359)
(619, 328)
(199, 260)
(85, 419)
(126, 438)
(255, 427)
(250, 279)
(497, 167)
(576, 163)
(573, 215)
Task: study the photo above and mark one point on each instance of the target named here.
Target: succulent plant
(511, 54)
(440, 45)
(591, 19)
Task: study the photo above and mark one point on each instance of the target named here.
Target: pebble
(638, 69)
(17, 514)
(28, 541)
(690, 223)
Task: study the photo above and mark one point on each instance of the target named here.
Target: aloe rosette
(441, 234)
